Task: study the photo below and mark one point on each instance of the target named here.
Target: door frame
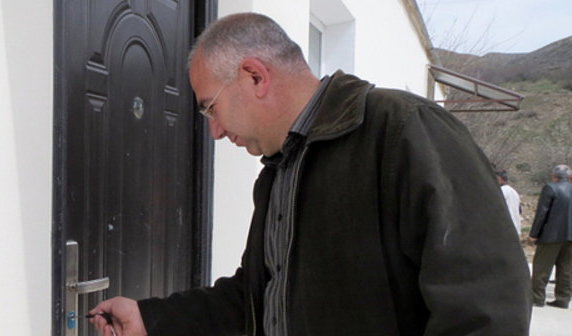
(205, 12)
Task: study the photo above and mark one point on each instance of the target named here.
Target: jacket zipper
(292, 196)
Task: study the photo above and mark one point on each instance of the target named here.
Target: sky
(508, 26)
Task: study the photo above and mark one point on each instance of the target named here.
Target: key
(107, 318)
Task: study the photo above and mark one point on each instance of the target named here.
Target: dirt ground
(528, 247)
(528, 210)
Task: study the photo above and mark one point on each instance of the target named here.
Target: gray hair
(228, 41)
(561, 172)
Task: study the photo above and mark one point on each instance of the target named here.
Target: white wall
(226, 7)
(388, 52)
(26, 64)
(339, 47)
(292, 15)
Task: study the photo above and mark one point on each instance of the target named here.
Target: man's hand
(125, 314)
(532, 239)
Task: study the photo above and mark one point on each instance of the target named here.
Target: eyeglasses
(208, 111)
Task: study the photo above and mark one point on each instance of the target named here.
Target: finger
(103, 306)
(101, 323)
(104, 331)
(108, 330)
(100, 328)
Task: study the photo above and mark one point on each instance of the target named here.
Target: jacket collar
(341, 108)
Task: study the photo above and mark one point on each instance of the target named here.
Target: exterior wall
(391, 55)
(382, 48)
(25, 166)
(339, 48)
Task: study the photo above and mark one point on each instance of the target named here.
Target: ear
(256, 75)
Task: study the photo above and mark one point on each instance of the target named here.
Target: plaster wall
(26, 81)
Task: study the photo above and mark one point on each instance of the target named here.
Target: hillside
(529, 142)
(552, 62)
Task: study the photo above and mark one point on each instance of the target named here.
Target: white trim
(331, 12)
(320, 48)
(317, 23)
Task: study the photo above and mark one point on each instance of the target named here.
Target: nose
(217, 132)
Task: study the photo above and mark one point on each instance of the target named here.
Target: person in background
(375, 212)
(552, 233)
(511, 198)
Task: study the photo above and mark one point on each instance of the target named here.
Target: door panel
(133, 164)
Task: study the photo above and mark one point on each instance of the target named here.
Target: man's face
(235, 111)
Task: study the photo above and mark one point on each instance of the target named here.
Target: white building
(383, 41)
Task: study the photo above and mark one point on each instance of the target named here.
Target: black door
(133, 163)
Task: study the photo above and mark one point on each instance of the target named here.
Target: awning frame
(482, 91)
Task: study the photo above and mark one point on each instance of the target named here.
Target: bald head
(228, 41)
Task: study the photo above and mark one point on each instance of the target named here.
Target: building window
(332, 37)
(315, 51)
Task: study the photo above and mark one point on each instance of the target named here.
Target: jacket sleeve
(542, 210)
(454, 227)
(217, 310)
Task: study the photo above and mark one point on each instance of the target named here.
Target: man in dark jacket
(375, 213)
(552, 232)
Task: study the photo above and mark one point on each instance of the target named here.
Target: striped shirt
(279, 218)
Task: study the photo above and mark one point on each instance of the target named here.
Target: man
(511, 198)
(375, 213)
(552, 232)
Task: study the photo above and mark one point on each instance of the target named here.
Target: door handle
(89, 286)
(74, 288)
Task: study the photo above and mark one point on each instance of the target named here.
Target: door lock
(75, 288)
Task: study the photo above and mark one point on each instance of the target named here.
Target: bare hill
(552, 62)
(529, 142)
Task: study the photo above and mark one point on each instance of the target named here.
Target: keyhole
(138, 108)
